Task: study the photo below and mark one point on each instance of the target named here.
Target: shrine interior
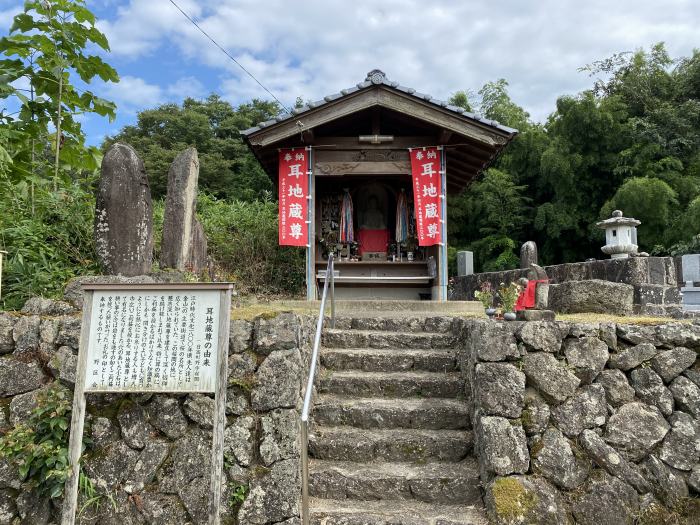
(373, 264)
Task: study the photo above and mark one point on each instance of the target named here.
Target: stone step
(391, 413)
(383, 360)
(407, 445)
(392, 307)
(436, 482)
(392, 384)
(387, 512)
(348, 338)
(404, 322)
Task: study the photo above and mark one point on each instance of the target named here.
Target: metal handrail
(330, 278)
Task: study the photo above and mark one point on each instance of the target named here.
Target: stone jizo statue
(373, 218)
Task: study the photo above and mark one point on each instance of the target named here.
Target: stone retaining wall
(151, 453)
(585, 423)
(653, 281)
(573, 423)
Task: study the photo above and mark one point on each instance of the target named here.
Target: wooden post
(75, 444)
(217, 459)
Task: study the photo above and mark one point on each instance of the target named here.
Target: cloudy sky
(313, 48)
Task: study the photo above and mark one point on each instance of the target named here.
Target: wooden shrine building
(361, 192)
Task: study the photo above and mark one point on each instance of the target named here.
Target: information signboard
(152, 338)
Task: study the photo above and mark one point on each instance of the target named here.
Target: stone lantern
(620, 235)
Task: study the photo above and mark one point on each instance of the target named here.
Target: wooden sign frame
(70, 501)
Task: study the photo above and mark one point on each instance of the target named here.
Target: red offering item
(373, 240)
(293, 197)
(427, 194)
(526, 299)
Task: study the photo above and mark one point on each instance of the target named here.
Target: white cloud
(131, 93)
(8, 15)
(141, 25)
(313, 48)
(186, 87)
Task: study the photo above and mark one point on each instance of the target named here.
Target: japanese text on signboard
(427, 194)
(148, 341)
(293, 197)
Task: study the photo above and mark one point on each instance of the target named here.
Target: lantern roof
(617, 219)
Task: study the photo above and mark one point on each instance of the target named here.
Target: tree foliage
(227, 168)
(632, 142)
(46, 170)
(46, 51)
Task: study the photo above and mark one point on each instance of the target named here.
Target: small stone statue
(536, 298)
(373, 218)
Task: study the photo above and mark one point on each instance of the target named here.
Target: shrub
(39, 447)
(243, 241)
(48, 236)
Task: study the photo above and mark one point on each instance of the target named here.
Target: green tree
(462, 99)
(227, 168)
(46, 170)
(46, 49)
(496, 104)
(489, 218)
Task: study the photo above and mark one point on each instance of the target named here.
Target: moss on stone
(536, 448)
(511, 499)
(245, 383)
(655, 514)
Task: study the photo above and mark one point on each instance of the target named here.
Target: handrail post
(332, 291)
(304, 430)
(305, 472)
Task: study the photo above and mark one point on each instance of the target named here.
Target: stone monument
(184, 242)
(465, 263)
(124, 214)
(691, 279)
(528, 254)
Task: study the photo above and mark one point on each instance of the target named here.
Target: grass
(249, 308)
(620, 319)
(248, 312)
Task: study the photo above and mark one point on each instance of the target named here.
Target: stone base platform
(396, 307)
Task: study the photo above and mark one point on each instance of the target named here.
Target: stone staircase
(390, 442)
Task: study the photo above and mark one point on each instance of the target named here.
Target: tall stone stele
(184, 242)
(528, 255)
(124, 214)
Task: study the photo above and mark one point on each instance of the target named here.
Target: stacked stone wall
(151, 453)
(650, 285)
(585, 423)
(573, 423)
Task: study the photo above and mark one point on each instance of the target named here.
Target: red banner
(427, 190)
(293, 197)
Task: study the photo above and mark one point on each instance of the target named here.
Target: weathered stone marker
(124, 214)
(691, 275)
(465, 263)
(184, 243)
(528, 255)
